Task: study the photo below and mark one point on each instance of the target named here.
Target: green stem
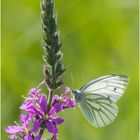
(51, 93)
(42, 130)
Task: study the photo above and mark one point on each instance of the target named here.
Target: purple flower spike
(39, 116)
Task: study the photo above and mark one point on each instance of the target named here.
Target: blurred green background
(99, 38)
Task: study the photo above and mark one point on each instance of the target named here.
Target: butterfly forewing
(112, 86)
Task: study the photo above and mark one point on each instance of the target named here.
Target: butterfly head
(76, 94)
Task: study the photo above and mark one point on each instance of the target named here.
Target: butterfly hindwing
(98, 110)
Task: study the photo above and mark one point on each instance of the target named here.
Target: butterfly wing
(98, 110)
(111, 86)
(98, 97)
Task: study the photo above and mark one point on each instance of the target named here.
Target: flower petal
(70, 102)
(34, 91)
(55, 99)
(14, 136)
(27, 137)
(64, 95)
(56, 108)
(34, 111)
(43, 103)
(27, 103)
(36, 125)
(25, 119)
(67, 89)
(54, 137)
(51, 127)
(57, 120)
(13, 129)
(37, 137)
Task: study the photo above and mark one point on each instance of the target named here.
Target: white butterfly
(97, 99)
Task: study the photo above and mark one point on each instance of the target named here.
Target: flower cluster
(39, 116)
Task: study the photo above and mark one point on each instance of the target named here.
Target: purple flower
(25, 119)
(44, 117)
(38, 137)
(28, 137)
(52, 122)
(56, 108)
(23, 131)
(55, 99)
(41, 115)
(32, 99)
(36, 125)
(13, 131)
(68, 101)
(34, 91)
(56, 120)
(51, 125)
(43, 104)
(36, 99)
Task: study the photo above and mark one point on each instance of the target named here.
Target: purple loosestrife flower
(43, 118)
(39, 116)
(32, 99)
(13, 131)
(22, 131)
(39, 108)
(69, 102)
(62, 102)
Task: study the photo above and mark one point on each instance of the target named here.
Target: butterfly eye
(74, 92)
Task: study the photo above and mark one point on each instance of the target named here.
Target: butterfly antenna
(81, 79)
(72, 79)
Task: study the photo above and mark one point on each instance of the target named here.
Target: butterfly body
(97, 99)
